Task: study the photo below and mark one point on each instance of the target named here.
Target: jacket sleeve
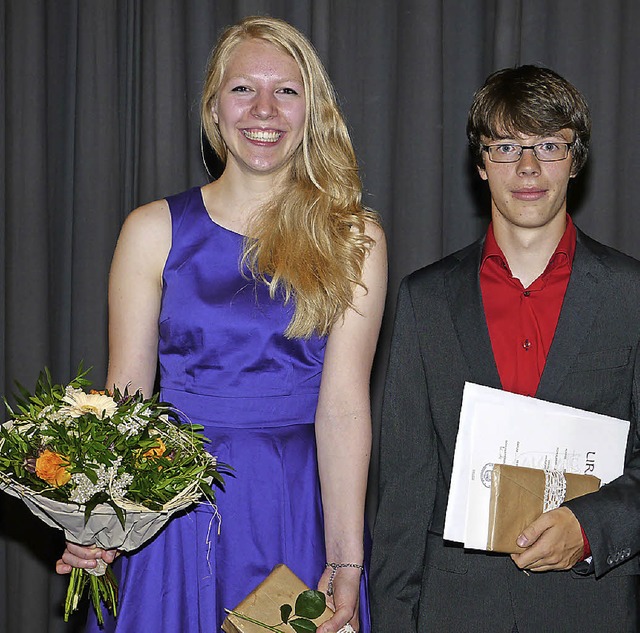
(408, 471)
(611, 516)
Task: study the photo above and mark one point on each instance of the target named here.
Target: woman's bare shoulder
(145, 238)
(153, 216)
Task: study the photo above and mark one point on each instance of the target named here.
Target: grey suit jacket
(440, 341)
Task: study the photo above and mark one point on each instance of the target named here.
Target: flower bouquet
(107, 468)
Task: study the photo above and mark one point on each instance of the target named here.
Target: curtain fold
(100, 110)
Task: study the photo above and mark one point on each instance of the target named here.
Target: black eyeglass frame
(568, 145)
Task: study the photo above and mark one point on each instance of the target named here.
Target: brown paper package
(517, 499)
(280, 587)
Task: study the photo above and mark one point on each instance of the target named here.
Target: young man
(538, 308)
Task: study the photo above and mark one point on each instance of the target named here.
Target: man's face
(529, 193)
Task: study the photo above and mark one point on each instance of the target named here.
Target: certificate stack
(518, 456)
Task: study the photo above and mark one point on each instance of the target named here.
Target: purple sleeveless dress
(226, 364)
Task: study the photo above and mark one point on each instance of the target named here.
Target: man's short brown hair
(528, 100)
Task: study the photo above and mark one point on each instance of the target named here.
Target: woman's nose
(264, 106)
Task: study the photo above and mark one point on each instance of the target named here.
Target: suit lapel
(579, 308)
(462, 284)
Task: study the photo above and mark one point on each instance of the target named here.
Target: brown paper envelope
(280, 587)
(517, 500)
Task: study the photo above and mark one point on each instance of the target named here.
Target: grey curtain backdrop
(99, 104)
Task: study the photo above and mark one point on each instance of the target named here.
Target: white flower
(120, 485)
(108, 479)
(84, 488)
(102, 406)
(49, 414)
(134, 422)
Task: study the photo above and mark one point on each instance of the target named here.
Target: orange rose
(52, 467)
(156, 451)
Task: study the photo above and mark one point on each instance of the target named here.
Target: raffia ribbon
(555, 489)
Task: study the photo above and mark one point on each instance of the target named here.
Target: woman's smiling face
(260, 108)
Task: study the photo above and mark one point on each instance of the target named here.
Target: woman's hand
(83, 557)
(344, 599)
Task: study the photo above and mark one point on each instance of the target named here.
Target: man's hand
(553, 542)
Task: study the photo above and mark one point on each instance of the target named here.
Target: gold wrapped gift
(518, 499)
(280, 587)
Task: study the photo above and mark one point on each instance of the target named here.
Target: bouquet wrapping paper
(103, 526)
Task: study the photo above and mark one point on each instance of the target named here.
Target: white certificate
(501, 427)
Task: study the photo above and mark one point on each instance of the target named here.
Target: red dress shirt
(522, 321)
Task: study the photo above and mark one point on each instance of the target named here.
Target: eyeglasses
(547, 152)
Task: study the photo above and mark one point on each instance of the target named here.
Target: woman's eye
(240, 89)
(288, 91)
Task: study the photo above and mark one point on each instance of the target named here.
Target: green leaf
(87, 513)
(119, 513)
(285, 612)
(302, 625)
(310, 604)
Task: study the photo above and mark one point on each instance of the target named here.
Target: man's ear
(483, 172)
(574, 171)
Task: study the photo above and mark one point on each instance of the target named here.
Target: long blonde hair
(309, 240)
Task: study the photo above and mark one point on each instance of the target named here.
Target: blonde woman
(261, 294)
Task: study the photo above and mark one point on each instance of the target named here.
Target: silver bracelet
(334, 568)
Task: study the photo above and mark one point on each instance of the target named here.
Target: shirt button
(526, 293)
(526, 344)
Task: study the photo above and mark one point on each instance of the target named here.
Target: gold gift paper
(517, 500)
(280, 587)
